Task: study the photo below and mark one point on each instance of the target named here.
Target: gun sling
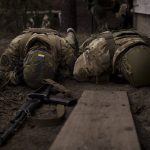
(52, 121)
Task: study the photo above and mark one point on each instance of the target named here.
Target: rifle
(33, 101)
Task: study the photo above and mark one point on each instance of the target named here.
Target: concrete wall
(141, 6)
(142, 23)
(141, 10)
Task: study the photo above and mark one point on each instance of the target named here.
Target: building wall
(142, 23)
(141, 10)
(141, 6)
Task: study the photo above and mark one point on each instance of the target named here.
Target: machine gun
(33, 101)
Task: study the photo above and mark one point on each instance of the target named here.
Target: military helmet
(38, 65)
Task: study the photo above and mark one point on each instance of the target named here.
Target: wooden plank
(101, 120)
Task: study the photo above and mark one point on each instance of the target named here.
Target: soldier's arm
(68, 53)
(10, 60)
(68, 59)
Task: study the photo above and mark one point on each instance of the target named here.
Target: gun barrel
(66, 102)
(20, 111)
(44, 98)
(37, 96)
(19, 119)
(12, 129)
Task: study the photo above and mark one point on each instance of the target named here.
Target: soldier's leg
(72, 40)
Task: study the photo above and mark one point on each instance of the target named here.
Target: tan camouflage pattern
(87, 66)
(58, 47)
(95, 62)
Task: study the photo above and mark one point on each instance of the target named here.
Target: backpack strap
(110, 43)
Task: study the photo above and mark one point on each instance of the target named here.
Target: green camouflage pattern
(61, 53)
(124, 40)
(135, 64)
(12, 55)
(95, 61)
(38, 65)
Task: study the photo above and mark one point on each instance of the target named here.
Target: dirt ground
(34, 137)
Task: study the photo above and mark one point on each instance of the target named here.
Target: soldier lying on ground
(121, 53)
(38, 54)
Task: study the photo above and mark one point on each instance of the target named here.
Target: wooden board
(101, 120)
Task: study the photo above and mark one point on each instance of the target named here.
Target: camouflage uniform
(43, 53)
(120, 53)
